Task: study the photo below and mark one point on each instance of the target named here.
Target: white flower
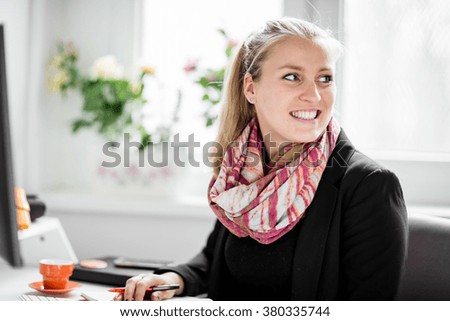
(106, 68)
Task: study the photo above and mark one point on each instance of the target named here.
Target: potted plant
(112, 103)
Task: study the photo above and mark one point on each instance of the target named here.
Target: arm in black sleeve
(374, 239)
(195, 273)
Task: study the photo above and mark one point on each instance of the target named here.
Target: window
(397, 75)
(176, 32)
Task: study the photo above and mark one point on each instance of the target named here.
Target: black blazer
(354, 236)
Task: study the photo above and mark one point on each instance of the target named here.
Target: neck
(272, 149)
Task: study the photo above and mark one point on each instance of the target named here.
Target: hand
(136, 286)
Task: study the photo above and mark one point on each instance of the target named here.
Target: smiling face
(295, 93)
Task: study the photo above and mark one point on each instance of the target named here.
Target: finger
(118, 297)
(156, 296)
(141, 288)
(130, 288)
(162, 295)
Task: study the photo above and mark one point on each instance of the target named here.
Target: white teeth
(307, 115)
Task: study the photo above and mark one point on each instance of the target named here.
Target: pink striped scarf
(265, 206)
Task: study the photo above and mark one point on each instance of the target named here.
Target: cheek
(272, 113)
(267, 105)
(328, 98)
(270, 117)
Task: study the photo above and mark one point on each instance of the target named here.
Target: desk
(14, 282)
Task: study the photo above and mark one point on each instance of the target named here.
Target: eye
(291, 77)
(326, 79)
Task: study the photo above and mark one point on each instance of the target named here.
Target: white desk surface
(14, 282)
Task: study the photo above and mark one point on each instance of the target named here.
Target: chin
(307, 138)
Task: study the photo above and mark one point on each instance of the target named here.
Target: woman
(302, 215)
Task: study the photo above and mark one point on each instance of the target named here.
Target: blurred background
(159, 65)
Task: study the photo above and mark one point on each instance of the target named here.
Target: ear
(249, 88)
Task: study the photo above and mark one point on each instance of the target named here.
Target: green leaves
(211, 81)
(111, 104)
(105, 107)
(80, 123)
(229, 51)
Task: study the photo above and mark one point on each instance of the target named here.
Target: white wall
(176, 238)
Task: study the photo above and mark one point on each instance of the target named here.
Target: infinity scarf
(266, 201)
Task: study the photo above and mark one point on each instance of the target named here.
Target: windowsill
(441, 211)
(385, 155)
(94, 204)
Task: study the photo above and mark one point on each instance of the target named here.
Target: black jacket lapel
(311, 243)
(314, 229)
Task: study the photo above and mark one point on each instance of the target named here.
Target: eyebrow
(300, 68)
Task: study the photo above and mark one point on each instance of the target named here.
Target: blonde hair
(236, 110)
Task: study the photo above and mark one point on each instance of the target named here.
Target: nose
(310, 93)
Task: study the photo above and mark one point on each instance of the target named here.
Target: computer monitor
(9, 243)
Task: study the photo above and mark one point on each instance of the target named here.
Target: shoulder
(361, 166)
(359, 173)
(371, 198)
(365, 173)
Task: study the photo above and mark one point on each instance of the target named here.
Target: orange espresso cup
(55, 273)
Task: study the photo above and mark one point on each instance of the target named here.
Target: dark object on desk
(140, 264)
(111, 275)
(37, 207)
